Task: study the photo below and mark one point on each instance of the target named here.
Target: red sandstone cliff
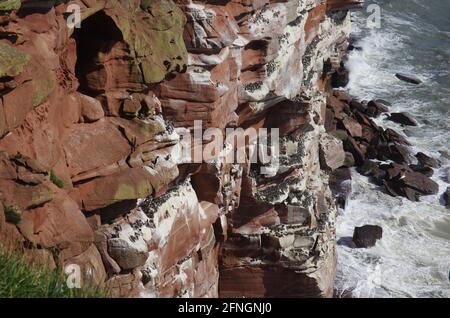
(90, 153)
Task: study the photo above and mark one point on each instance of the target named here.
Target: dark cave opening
(96, 37)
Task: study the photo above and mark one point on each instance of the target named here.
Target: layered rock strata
(92, 165)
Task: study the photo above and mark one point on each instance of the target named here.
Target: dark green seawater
(413, 258)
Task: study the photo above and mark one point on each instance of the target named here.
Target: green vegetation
(12, 215)
(56, 180)
(19, 279)
(12, 61)
(9, 5)
(43, 87)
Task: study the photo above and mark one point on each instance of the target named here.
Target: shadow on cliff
(97, 37)
(38, 6)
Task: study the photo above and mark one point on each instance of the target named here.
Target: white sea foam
(413, 258)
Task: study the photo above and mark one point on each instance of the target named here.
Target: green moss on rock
(154, 33)
(12, 214)
(42, 89)
(12, 60)
(10, 5)
(131, 192)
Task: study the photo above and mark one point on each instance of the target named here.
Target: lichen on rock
(12, 60)
(10, 5)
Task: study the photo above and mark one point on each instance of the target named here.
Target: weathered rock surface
(367, 235)
(408, 78)
(446, 197)
(402, 177)
(427, 161)
(403, 118)
(331, 152)
(90, 142)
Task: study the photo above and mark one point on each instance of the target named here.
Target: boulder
(408, 78)
(127, 256)
(420, 183)
(427, 161)
(335, 104)
(375, 109)
(391, 135)
(331, 152)
(349, 160)
(372, 169)
(340, 78)
(352, 146)
(446, 197)
(367, 235)
(352, 126)
(427, 171)
(91, 109)
(357, 105)
(398, 153)
(342, 96)
(403, 118)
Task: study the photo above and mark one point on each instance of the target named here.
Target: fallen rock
(367, 235)
(420, 183)
(427, 171)
(427, 161)
(352, 126)
(349, 160)
(408, 78)
(375, 109)
(446, 197)
(392, 136)
(91, 109)
(342, 96)
(403, 118)
(373, 169)
(354, 104)
(126, 255)
(331, 153)
(340, 78)
(351, 146)
(335, 104)
(398, 153)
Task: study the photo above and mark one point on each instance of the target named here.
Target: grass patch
(12, 215)
(19, 279)
(56, 180)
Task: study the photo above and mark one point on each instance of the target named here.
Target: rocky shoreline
(383, 155)
(91, 167)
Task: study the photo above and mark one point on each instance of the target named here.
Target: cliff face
(91, 157)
